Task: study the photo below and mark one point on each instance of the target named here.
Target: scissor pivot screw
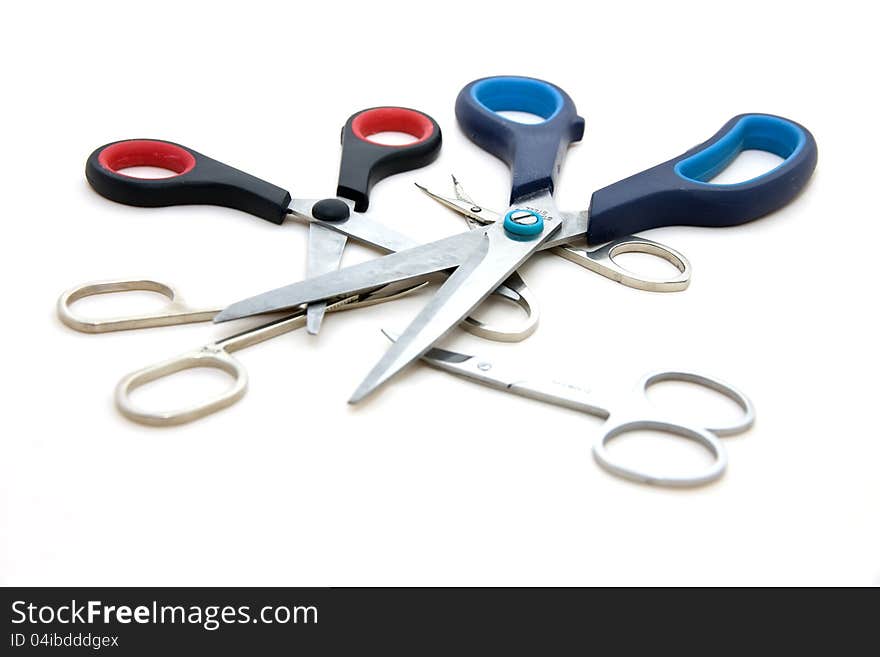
(523, 223)
(331, 209)
(524, 217)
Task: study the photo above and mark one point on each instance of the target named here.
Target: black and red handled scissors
(201, 180)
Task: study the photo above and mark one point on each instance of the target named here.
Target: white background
(434, 480)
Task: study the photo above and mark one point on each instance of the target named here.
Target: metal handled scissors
(200, 180)
(672, 193)
(215, 354)
(628, 415)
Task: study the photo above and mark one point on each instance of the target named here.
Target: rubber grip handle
(534, 152)
(676, 193)
(197, 180)
(365, 162)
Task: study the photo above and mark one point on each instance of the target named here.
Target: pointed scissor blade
(325, 249)
(411, 264)
(434, 354)
(463, 206)
(496, 258)
(459, 191)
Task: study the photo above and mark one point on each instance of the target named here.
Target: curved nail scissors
(676, 192)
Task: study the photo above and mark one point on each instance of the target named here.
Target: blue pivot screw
(523, 223)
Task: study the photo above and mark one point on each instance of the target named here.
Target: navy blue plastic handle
(676, 193)
(534, 152)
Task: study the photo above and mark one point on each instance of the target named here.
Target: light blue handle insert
(511, 94)
(678, 192)
(754, 132)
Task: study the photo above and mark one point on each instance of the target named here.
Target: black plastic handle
(365, 162)
(197, 180)
(678, 192)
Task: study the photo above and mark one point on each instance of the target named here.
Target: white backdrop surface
(434, 480)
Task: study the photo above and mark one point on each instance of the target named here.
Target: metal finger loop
(515, 290)
(746, 420)
(699, 436)
(175, 312)
(601, 261)
(209, 356)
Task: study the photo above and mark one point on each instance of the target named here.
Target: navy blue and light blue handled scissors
(677, 192)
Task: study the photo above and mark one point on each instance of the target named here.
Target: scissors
(634, 414)
(201, 180)
(215, 355)
(672, 193)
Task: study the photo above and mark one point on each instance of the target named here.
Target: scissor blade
(496, 258)
(411, 264)
(325, 249)
(464, 206)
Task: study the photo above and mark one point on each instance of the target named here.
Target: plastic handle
(365, 162)
(196, 180)
(534, 152)
(676, 193)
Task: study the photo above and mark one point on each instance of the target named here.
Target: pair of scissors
(673, 193)
(200, 180)
(215, 355)
(623, 416)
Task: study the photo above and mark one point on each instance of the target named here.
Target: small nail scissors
(627, 415)
(201, 180)
(676, 192)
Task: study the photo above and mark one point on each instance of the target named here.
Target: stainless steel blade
(363, 228)
(496, 258)
(402, 266)
(325, 249)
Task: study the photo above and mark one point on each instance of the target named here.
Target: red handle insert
(146, 153)
(392, 119)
